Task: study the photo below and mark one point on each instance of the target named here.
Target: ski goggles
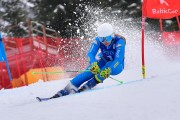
(107, 39)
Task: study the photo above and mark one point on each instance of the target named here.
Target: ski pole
(66, 71)
(58, 72)
(120, 81)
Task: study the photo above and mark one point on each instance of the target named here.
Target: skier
(111, 62)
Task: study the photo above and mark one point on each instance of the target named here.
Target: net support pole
(177, 18)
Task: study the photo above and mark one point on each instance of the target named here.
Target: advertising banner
(161, 9)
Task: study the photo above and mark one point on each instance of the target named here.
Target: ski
(42, 99)
(101, 88)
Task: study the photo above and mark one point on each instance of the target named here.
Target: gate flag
(161, 9)
(3, 57)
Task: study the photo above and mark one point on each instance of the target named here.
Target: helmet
(105, 30)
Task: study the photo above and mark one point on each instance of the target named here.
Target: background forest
(65, 16)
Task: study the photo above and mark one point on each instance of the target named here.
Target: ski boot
(69, 89)
(89, 85)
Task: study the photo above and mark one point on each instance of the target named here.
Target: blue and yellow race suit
(111, 56)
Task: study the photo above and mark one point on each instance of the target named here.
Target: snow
(61, 7)
(151, 99)
(155, 98)
(27, 3)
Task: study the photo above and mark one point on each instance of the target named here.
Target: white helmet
(105, 30)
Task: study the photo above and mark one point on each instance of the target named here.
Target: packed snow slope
(154, 98)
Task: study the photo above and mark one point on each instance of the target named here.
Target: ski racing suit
(111, 56)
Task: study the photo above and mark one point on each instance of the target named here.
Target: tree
(65, 15)
(12, 15)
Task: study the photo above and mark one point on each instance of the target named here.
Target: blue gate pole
(3, 57)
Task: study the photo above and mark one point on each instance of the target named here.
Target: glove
(94, 68)
(105, 73)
